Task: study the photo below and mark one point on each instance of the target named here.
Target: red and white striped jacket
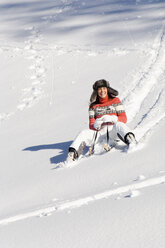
(112, 106)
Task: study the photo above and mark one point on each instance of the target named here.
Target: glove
(110, 118)
(98, 123)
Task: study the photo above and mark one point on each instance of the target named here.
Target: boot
(72, 155)
(130, 139)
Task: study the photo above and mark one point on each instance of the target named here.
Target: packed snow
(51, 53)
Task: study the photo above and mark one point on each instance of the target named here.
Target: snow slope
(50, 55)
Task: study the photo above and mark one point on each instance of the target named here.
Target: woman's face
(102, 92)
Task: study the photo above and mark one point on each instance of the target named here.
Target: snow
(50, 55)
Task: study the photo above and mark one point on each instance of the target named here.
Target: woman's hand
(98, 123)
(110, 118)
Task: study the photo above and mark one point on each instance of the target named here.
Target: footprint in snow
(132, 193)
(140, 178)
(44, 215)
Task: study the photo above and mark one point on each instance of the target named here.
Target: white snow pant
(86, 137)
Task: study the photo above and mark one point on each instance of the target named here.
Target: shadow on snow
(61, 157)
(48, 14)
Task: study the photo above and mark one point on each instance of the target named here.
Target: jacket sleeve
(120, 111)
(91, 119)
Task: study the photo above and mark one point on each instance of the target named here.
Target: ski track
(153, 117)
(145, 89)
(128, 191)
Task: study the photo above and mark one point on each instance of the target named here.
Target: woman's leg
(83, 139)
(123, 132)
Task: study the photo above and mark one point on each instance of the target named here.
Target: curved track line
(145, 102)
(146, 82)
(154, 115)
(145, 69)
(70, 204)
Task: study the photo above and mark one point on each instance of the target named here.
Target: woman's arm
(120, 111)
(91, 119)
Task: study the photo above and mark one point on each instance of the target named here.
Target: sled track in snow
(76, 203)
(149, 88)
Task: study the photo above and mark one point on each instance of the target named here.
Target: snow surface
(51, 52)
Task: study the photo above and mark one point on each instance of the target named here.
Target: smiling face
(102, 92)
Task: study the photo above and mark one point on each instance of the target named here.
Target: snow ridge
(149, 86)
(130, 189)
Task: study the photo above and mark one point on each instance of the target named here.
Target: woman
(107, 120)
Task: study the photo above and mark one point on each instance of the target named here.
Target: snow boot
(130, 139)
(72, 155)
